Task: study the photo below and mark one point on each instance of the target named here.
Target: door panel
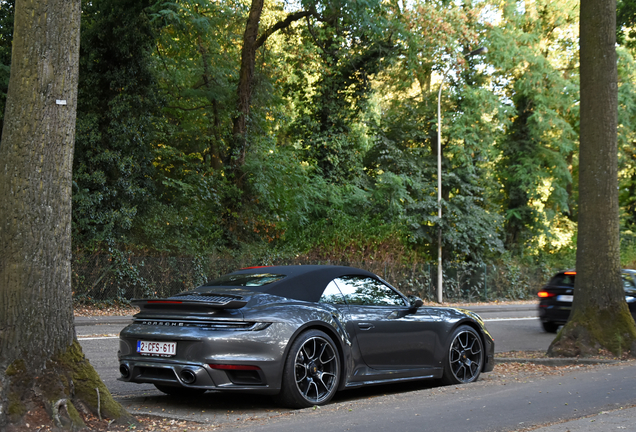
(389, 334)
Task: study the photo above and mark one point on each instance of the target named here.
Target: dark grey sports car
(300, 332)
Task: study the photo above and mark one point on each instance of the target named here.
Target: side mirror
(415, 302)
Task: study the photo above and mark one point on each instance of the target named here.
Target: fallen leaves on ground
(144, 424)
(118, 309)
(602, 355)
(511, 370)
(521, 354)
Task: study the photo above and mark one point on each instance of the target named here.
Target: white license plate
(565, 298)
(163, 349)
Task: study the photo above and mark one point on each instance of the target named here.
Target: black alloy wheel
(465, 357)
(312, 371)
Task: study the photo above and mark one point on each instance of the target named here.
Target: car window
(332, 295)
(628, 283)
(563, 279)
(360, 290)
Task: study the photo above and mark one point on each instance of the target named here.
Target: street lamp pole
(482, 50)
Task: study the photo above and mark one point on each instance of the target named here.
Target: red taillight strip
(545, 294)
(570, 273)
(233, 367)
(165, 301)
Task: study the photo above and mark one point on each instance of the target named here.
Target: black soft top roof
(301, 282)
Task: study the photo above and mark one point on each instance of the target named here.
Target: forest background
(187, 163)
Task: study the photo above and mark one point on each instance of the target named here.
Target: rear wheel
(465, 357)
(312, 371)
(179, 391)
(550, 327)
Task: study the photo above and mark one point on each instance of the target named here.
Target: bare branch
(282, 25)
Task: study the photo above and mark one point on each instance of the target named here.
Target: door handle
(365, 326)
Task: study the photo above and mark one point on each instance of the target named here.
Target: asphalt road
(477, 407)
(487, 405)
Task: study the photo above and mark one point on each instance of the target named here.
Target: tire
(311, 372)
(550, 327)
(465, 357)
(178, 390)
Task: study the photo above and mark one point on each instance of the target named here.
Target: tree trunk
(244, 89)
(238, 146)
(600, 318)
(39, 355)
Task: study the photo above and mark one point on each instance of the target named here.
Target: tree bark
(600, 318)
(38, 352)
(244, 89)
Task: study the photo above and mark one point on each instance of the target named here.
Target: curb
(555, 361)
(506, 308)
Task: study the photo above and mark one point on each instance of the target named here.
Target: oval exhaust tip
(188, 376)
(124, 370)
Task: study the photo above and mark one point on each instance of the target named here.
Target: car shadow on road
(218, 407)
(383, 390)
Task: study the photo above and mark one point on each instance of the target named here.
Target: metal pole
(439, 191)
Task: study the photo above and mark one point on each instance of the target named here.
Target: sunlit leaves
(535, 56)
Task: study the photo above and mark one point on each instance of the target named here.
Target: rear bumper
(249, 361)
(194, 376)
(554, 313)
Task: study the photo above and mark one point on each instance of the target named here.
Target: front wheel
(312, 371)
(550, 327)
(465, 357)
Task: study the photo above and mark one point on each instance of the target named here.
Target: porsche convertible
(301, 333)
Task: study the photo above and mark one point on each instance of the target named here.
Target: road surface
(491, 404)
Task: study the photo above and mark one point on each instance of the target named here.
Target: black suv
(555, 298)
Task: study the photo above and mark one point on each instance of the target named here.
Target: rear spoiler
(186, 302)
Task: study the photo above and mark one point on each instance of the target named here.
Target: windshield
(563, 279)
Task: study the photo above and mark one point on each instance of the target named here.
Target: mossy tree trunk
(42, 369)
(600, 318)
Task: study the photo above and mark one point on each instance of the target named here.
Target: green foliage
(196, 67)
(405, 148)
(627, 138)
(535, 54)
(628, 249)
(341, 140)
(346, 44)
(626, 23)
(113, 171)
